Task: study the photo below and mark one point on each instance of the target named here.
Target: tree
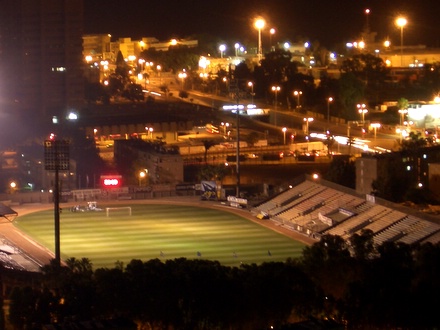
(321, 259)
(329, 143)
(342, 171)
(275, 64)
(431, 79)
(17, 309)
(133, 92)
(402, 104)
(351, 90)
(242, 73)
(366, 66)
(362, 245)
(74, 288)
(183, 94)
(425, 284)
(208, 144)
(251, 138)
(115, 85)
(95, 92)
(413, 144)
(122, 69)
(175, 59)
(212, 172)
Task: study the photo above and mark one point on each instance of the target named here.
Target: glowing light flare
(401, 22)
(259, 23)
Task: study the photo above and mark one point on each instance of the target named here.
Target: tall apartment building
(41, 63)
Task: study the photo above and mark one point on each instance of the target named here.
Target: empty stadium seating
(316, 208)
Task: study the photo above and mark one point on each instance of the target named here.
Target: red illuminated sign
(109, 181)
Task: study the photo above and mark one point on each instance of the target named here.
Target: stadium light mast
(56, 158)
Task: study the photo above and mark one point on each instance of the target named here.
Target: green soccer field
(159, 231)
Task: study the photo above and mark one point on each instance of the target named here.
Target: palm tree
(402, 103)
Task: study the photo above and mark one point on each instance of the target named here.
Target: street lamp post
(284, 133)
(222, 49)
(159, 68)
(142, 175)
(251, 85)
(329, 100)
(362, 109)
(367, 26)
(402, 112)
(276, 89)
(149, 131)
(272, 32)
(307, 121)
(297, 94)
(259, 25)
(375, 127)
(401, 22)
(182, 75)
(225, 126)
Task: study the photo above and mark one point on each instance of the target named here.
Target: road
(294, 123)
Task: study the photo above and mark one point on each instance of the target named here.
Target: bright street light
(329, 100)
(142, 175)
(375, 126)
(259, 25)
(276, 89)
(225, 126)
(149, 131)
(272, 32)
(307, 121)
(159, 68)
(222, 49)
(182, 75)
(401, 22)
(284, 132)
(362, 109)
(251, 85)
(367, 26)
(297, 94)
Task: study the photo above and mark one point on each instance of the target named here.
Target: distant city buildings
(101, 46)
(100, 52)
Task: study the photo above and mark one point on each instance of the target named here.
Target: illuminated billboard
(111, 181)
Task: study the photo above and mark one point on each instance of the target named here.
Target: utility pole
(237, 192)
(234, 88)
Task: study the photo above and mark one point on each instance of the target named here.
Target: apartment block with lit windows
(41, 59)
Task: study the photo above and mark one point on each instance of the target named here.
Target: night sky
(329, 22)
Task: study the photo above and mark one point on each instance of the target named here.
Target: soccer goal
(117, 211)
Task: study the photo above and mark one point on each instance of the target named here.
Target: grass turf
(159, 231)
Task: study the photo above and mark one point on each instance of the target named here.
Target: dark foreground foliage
(335, 285)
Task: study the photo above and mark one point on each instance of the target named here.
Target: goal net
(117, 211)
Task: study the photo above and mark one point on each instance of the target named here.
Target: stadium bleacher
(317, 207)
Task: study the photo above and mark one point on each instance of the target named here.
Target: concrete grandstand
(315, 207)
